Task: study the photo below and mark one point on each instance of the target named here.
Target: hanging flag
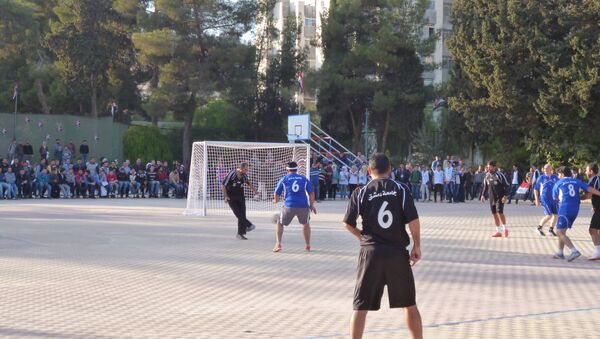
(47, 136)
(77, 123)
(27, 120)
(15, 92)
(40, 124)
(4, 131)
(59, 128)
(438, 103)
(300, 76)
(96, 138)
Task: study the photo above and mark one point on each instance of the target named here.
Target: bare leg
(278, 236)
(563, 239)
(554, 220)
(595, 234)
(545, 219)
(357, 324)
(502, 218)
(413, 321)
(496, 219)
(306, 231)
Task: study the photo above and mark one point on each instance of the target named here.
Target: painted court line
(456, 323)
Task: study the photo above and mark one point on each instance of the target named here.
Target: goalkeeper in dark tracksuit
(233, 191)
(496, 188)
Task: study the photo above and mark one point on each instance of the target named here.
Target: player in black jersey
(592, 173)
(385, 208)
(495, 188)
(233, 191)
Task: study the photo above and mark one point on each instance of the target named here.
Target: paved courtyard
(139, 268)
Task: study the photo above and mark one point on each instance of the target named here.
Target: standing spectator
(435, 163)
(478, 182)
(425, 181)
(458, 184)
(449, 181)
(576, 174)
(20, 152)
(314, 179)
(352, 180)
(514, 184)
(363, 174)
(72, 150)
(402, 175)
(44, 152)
(415, 183)
(322, 182)
(27, 151)
(469, 184)
(343, 182)
(335, 179)
(84, 151)
(532, 177)
(12, 150)
(66, 154)
(57, 150)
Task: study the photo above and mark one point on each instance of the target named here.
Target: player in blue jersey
(566, 192)
(543, 197)
(299, 199)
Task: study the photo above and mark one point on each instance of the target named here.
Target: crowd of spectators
(61, 172)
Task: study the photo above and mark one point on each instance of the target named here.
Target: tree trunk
(42, 96)
(154, 120)
(355, 131)
(386, 131)
(187, 138)
(94, 97)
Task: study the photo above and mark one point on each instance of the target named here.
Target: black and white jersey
(385, 208)
(495, 186)
(234, 184)
(595, 183)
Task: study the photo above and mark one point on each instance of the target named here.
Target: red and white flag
(15, 92)
(300, 76)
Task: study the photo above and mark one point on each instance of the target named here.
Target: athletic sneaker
(551, 231)
(594, 257)
(574, 255)
(241, 237)
(252, 227)
(497, 235)
(540, 231)
(558, 256)
(506, 232)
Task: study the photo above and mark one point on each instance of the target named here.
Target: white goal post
(212, 160)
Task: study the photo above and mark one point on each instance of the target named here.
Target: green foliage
(147, 143)
(221, 120)
(529, 75)
(371, 62)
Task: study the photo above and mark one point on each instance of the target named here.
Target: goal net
(213, 160)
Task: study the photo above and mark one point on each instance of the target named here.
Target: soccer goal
(213, 160)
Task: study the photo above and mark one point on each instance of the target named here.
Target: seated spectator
(70, 181)
(54, 184)
(81, 184)
(123, 179)
(175, 183)
(163, 178)
(11, 180)
(65, 189)
(141, 180)
(43, 183)
(133, 183)
(23, 182)
(93, 183)
(113, 184)
(153, 183)
(104, 185)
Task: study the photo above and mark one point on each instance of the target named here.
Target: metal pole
(367, 133)
(15, 117)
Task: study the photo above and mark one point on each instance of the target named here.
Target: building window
(427, 81)
(310, 22)
(446, 33)
(431, 4)
(447, 62)
(310, 12)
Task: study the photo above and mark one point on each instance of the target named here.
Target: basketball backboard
(299, 127)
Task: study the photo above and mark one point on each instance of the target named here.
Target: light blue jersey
(296, 189)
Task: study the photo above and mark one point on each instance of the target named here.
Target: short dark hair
(243, 165)
(564, 170)
(594, 167)
(492, 163)
(379, 162)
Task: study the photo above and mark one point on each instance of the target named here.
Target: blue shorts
(565, 220)
(550, 207)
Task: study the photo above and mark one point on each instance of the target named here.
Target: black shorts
(497, 206)
(378, 266)
(595, 223)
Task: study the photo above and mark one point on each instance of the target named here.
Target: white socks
(598, 250)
